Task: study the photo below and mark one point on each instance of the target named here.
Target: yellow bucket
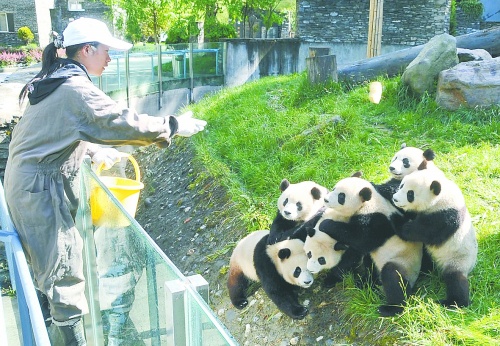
(104, 212)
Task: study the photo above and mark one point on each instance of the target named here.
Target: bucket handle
(131, 159)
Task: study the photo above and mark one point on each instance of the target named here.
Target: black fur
(365, 233)
(282, 293)
(388, 188)
(396, 289)
(351, 260)
(432, 228)
(457, 290)
(282, 229)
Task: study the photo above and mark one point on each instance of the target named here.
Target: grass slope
(281, 127)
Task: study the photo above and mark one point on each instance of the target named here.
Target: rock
(465, 55)
(470, 84)
(439, 54)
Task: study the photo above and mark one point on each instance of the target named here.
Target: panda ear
(423, 165)
(284, 185)
(316, 193)
(357, 174)
(310, 231)
(403, 145)
(436, 187)
(429, 154)
(365, 194)
(340, 246)
(284, 253)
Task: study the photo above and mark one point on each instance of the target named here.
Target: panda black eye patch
(406, 163)
(299, 206)
(410, 196)
(322, 261)
(341, 198)
(285, 202)
(297, 272)
(309, 254)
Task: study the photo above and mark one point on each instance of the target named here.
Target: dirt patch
(190, 217)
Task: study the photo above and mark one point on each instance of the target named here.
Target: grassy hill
(282, 127)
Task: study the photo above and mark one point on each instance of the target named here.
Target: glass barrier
(136, 72)
(135, 292)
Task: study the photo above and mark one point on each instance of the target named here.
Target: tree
(24, 33)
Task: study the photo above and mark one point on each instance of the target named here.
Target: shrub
(215, 30)
(20, 56)
(24, 33)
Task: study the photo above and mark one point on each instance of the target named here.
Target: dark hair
(49, 63)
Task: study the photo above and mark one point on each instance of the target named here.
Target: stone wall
(406, 23)
(61, 16)
(24, 15)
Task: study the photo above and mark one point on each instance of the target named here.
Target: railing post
(175, 312)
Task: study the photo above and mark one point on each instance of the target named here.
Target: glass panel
(127, 271)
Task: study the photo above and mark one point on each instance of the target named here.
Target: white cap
(84, 30)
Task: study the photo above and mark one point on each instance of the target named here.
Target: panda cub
(326, 253)
(281, 268)
(404, 162)
(371, 229)
(442, 222)
(300, 205)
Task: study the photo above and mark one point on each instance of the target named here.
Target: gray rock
(470, 84)
(439, 54)
(465, 55)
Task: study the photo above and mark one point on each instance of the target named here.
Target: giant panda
(442, 222)
(404, 162)
(281, 268)
(300, 205)
(371, 229)
(325, 253)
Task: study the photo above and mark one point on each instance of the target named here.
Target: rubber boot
(71, 332)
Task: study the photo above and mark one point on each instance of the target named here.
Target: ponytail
(49, 57)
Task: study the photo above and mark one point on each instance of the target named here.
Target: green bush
(215, 30)
(24, 33)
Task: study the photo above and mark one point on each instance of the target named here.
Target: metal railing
(134, 290)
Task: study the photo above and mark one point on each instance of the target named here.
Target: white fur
(322, 245)
(243, 253)
(407, 254)
(300, 193)
(408, 156)
(460, 251)
(354, 204)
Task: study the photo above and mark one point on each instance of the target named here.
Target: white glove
(108, 157)
(188, 126)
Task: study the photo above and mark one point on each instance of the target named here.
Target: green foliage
(181, 30)
(472, 8)
(24, 33)
(282, 127)
(215, 30)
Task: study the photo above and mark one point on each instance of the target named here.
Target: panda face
(291, 262)
(320, 250)
(299, 202)
(349, 195)
(405, 162)
(418, 191)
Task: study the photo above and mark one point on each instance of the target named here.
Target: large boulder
(470, 84)
(465, 55)
(439, 54)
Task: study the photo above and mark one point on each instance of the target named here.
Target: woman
(65, 119)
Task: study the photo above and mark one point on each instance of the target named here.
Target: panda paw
(241, 304)
(389, 310)
(330, 282)
(299, 313)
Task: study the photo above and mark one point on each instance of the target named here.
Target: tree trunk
(394, 63)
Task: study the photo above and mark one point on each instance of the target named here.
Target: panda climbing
(442, 222)
(371, 229)
(404, 162)
(326, 253)
(300, 205)
(281, 268)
